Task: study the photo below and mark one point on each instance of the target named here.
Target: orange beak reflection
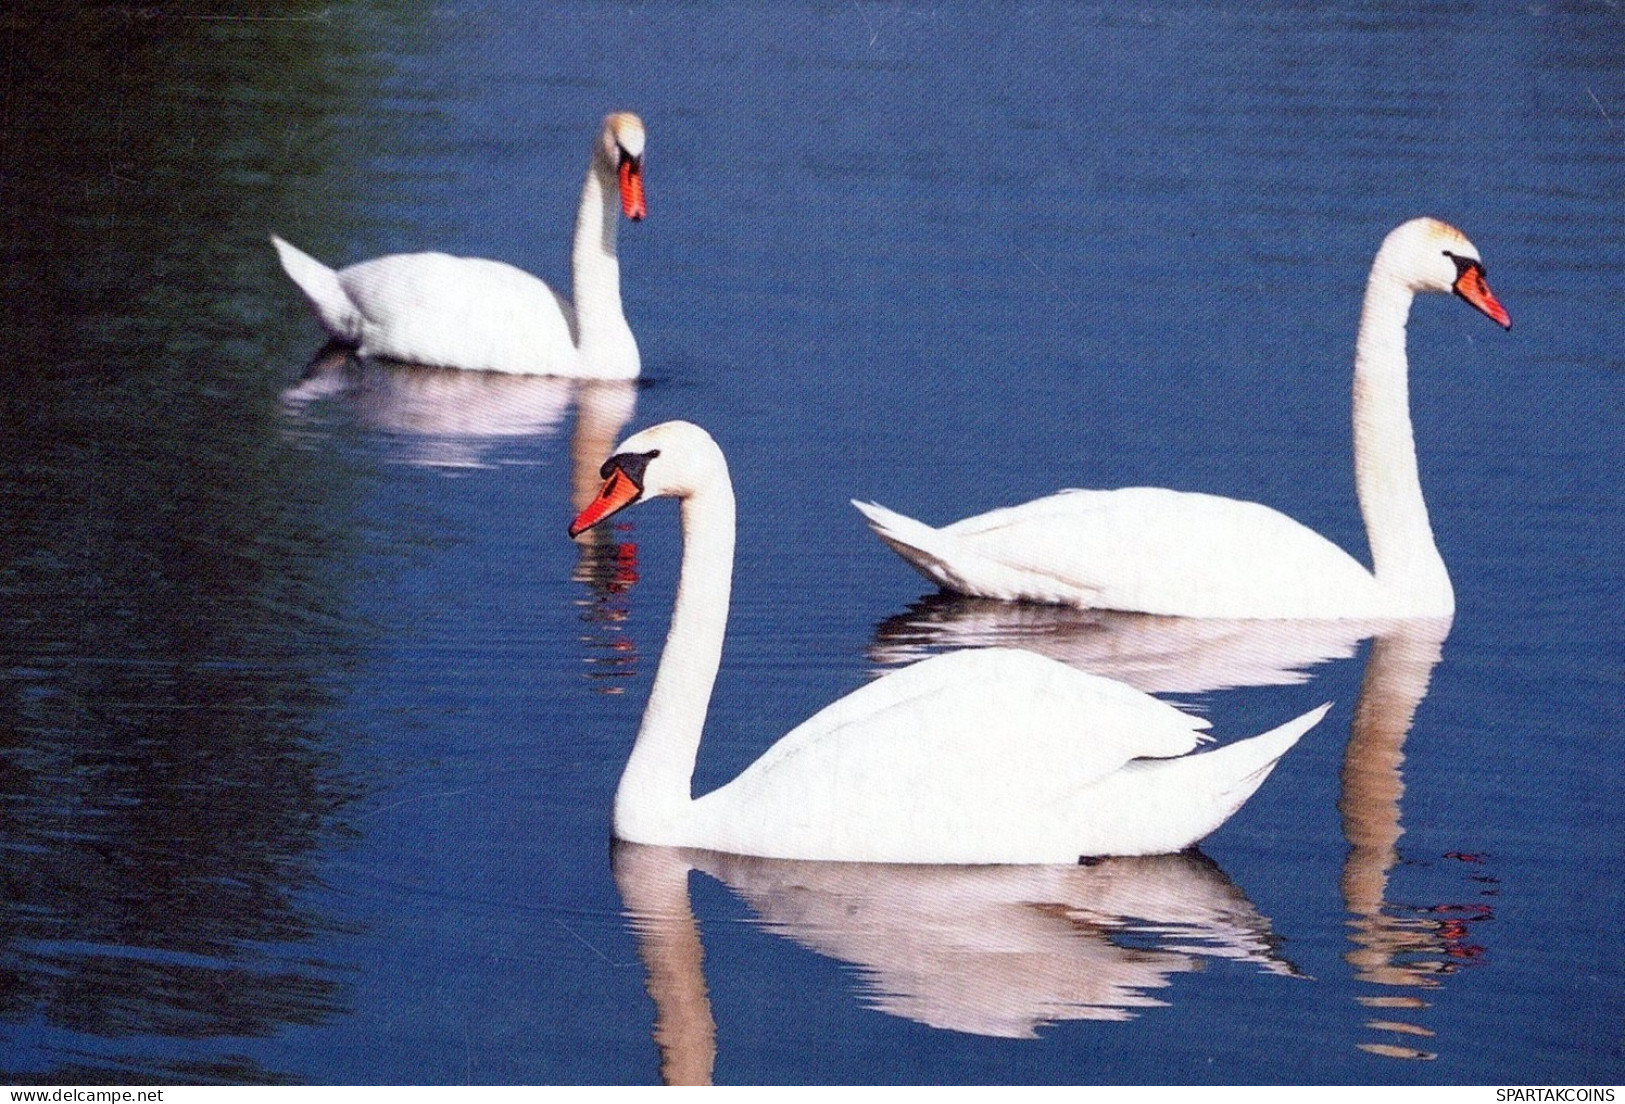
(1471, 286)
(632, 188)
(618, 493)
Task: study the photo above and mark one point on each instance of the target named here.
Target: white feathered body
(455, 312)
(1144, 549)
(984, 756)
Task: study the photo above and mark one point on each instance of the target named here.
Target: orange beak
(1471, 286)
(632, 188)
(619, 492)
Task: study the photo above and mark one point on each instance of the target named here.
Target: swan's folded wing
(970, 730)
(1160, 551)
(459, 312)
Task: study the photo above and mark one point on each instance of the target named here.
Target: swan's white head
(1428, 255)
(672, 459)
(621, 150)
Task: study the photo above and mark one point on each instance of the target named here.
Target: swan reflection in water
(1405, 950)
(454, 418)
(986, 950)
(450, 417)
(1160, 655)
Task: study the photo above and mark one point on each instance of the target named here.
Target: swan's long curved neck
(656, 789)
(595, 271)
(1404, 558)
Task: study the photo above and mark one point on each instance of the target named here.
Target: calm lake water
(311, 715)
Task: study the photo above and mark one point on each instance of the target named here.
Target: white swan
(995, 756)
(465, 312)
(1158, 551)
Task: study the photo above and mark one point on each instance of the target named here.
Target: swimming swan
(1151, 550)
(989, 756)
(465, 312)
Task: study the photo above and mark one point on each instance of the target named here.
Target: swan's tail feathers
(915, 541)
(1232, 774)
(1180, 801)
(334, 309)
(1248, 762)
